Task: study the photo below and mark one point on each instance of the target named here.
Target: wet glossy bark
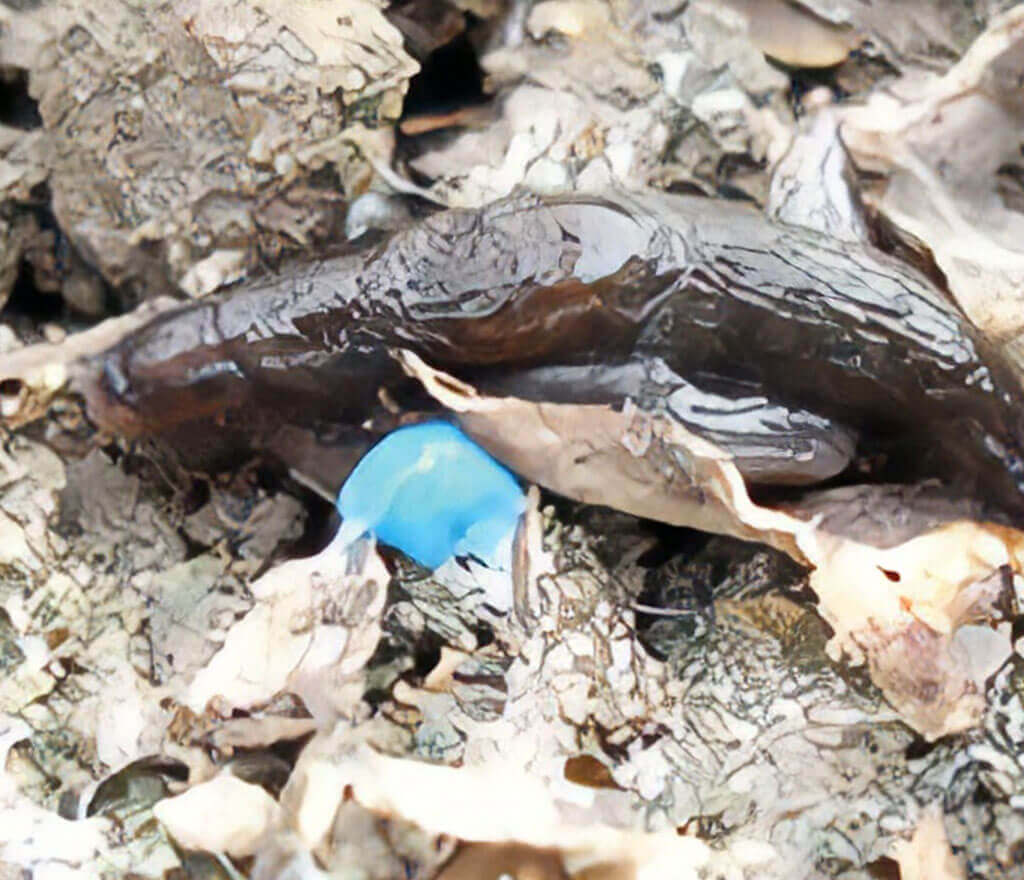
(771, 443)
(712, 291)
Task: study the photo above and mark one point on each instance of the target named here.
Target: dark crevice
(672, 541)
(883, 868)
(805, 79)
(450, 78)
(1017, 628)
(52, 275)
(427, 654)
(290, 749)
(920, 748)
(484, 634)
(193, 548)
(321, 525)
(17, 108)
(27, 301)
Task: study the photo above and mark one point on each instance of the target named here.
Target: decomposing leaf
(897, 607)
(941, 181)
(224, 814)
(314, 624)
(180, 143)
(484, 804)
(651, 691)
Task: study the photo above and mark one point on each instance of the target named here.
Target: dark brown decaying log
(711, 288)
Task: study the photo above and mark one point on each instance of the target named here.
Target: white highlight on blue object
(431, 492)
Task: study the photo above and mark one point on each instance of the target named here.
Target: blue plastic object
(431, 492)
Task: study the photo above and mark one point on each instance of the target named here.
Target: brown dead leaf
(315, 623)
(629, 460)
(792, 34)
(896, 607)
(492, 804)
(942, 179)
(487, 861)
(927, 855)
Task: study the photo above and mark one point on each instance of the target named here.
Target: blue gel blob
(431, 492)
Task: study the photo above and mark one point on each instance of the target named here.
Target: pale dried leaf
(252, 733)
(315, 623)
(224, 814)
(942, 180)
(927, 856)
(491, 804)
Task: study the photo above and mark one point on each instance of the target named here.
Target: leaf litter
(538, 722)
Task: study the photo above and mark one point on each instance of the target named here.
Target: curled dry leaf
(491, 803)
(901, 574)
(224, 814)
(794, 35)
(252, 733)
(315, 623)
(629, 460)
(896, 608)
(941, 180)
